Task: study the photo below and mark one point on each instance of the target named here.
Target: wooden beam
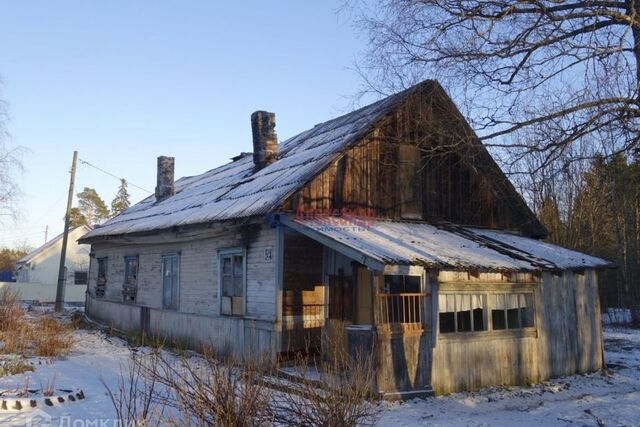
(371, 263)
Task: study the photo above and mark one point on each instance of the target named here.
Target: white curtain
(463, 302)
(446, 303)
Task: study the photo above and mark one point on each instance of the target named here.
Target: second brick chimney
(165, 185)
(265, 140)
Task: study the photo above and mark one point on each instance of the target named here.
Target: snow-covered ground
(586, 400)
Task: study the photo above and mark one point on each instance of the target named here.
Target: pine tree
(92, 207)
(121, 201)
(76, 219)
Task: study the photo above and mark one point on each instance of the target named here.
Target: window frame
(456, 296)
(101, 286)
(163, 257)
(226, 252)
(125, 283)
(384, 299)
(75, 277)
(489, 290)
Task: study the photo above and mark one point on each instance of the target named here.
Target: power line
(84, 162)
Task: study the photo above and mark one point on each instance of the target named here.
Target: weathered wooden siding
(418, 163)
(567, 337)
(197, 319)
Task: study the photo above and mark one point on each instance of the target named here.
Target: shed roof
(391, 242)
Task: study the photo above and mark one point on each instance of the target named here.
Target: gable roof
(235, 191)
(81, 230)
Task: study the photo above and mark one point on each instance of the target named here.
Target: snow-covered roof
(77, 232)
(392, 242)
(235, 191)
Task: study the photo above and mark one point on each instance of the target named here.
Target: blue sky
(125, 81)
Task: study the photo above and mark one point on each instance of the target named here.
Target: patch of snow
(595, 399)
(617, 316)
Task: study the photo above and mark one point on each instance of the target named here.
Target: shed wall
(567, 340)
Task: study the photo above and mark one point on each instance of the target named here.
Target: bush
(211, 392)
(333, 391)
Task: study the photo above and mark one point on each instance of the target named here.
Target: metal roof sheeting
(235, 191)
(446, 247)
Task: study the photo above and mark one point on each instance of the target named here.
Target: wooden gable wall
(420, 162)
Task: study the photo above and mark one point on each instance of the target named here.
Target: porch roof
(377, 243)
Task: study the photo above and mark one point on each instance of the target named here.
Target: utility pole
(46, 233)
(63, 254)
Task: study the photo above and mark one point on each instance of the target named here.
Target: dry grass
(163, 388)
(334, 390)
(52, 338)
(28, 335)
(15, 365)
(136, 399)
(210, 391)
(10, 310)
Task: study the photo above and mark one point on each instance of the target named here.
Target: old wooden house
(391, 223)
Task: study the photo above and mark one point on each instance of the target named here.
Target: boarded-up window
(409, 182)
(232, 280)
(101, 280)
(170, 281)
(129, 288)
(340, 297)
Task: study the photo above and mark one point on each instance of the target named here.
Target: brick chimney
(165, 187)
(265, 140)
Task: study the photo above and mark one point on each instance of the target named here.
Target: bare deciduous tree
(532, 76)
(10, 166)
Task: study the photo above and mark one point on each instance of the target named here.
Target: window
(101, 280)
(400, 284)
(409, 181)
(512, 311)
(80, 277)
(461, 312)
(129, 288)
(401, 300)
(170, 280)
(232, 280)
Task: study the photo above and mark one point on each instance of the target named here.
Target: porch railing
(401, 309)
(309, 315)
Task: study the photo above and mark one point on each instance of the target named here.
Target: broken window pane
(526, 310)
(498, 312)
(226, 265)
(447, 322)
(463, 307)
(237, 266)
(412, 284)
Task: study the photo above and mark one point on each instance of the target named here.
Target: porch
(445, 307)
(379, 315)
